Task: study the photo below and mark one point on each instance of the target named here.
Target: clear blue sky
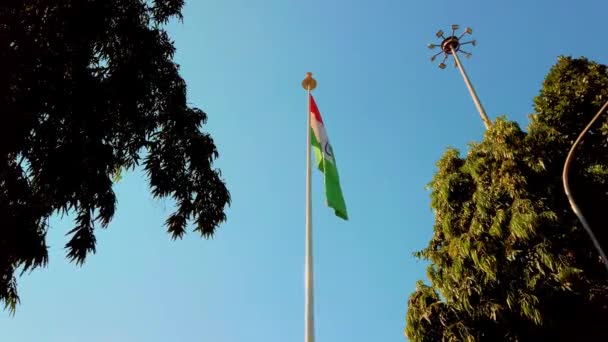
(390, 114)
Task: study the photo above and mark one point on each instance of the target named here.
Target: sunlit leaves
(508, 259)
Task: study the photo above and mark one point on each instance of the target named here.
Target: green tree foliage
(88, 88)
(509, 261)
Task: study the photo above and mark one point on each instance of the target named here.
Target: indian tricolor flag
(326, 161)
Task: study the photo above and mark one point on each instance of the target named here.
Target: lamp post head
(451, 44)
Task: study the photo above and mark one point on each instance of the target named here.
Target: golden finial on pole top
(309, 83)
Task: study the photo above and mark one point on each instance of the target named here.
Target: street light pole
(480, 109)
(450, 46)
(577, 211)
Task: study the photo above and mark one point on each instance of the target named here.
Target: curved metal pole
(575, 208)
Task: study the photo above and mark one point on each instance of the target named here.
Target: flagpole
(309, 84)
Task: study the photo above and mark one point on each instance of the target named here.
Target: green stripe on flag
(333, 191)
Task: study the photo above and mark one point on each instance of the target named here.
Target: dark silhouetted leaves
(88, 89)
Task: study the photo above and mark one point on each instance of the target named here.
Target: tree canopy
(89, 88)
(508, 260)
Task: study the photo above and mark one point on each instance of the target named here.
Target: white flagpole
(309, 84)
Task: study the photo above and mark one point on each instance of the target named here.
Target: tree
(508, 260)
(88, 88)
